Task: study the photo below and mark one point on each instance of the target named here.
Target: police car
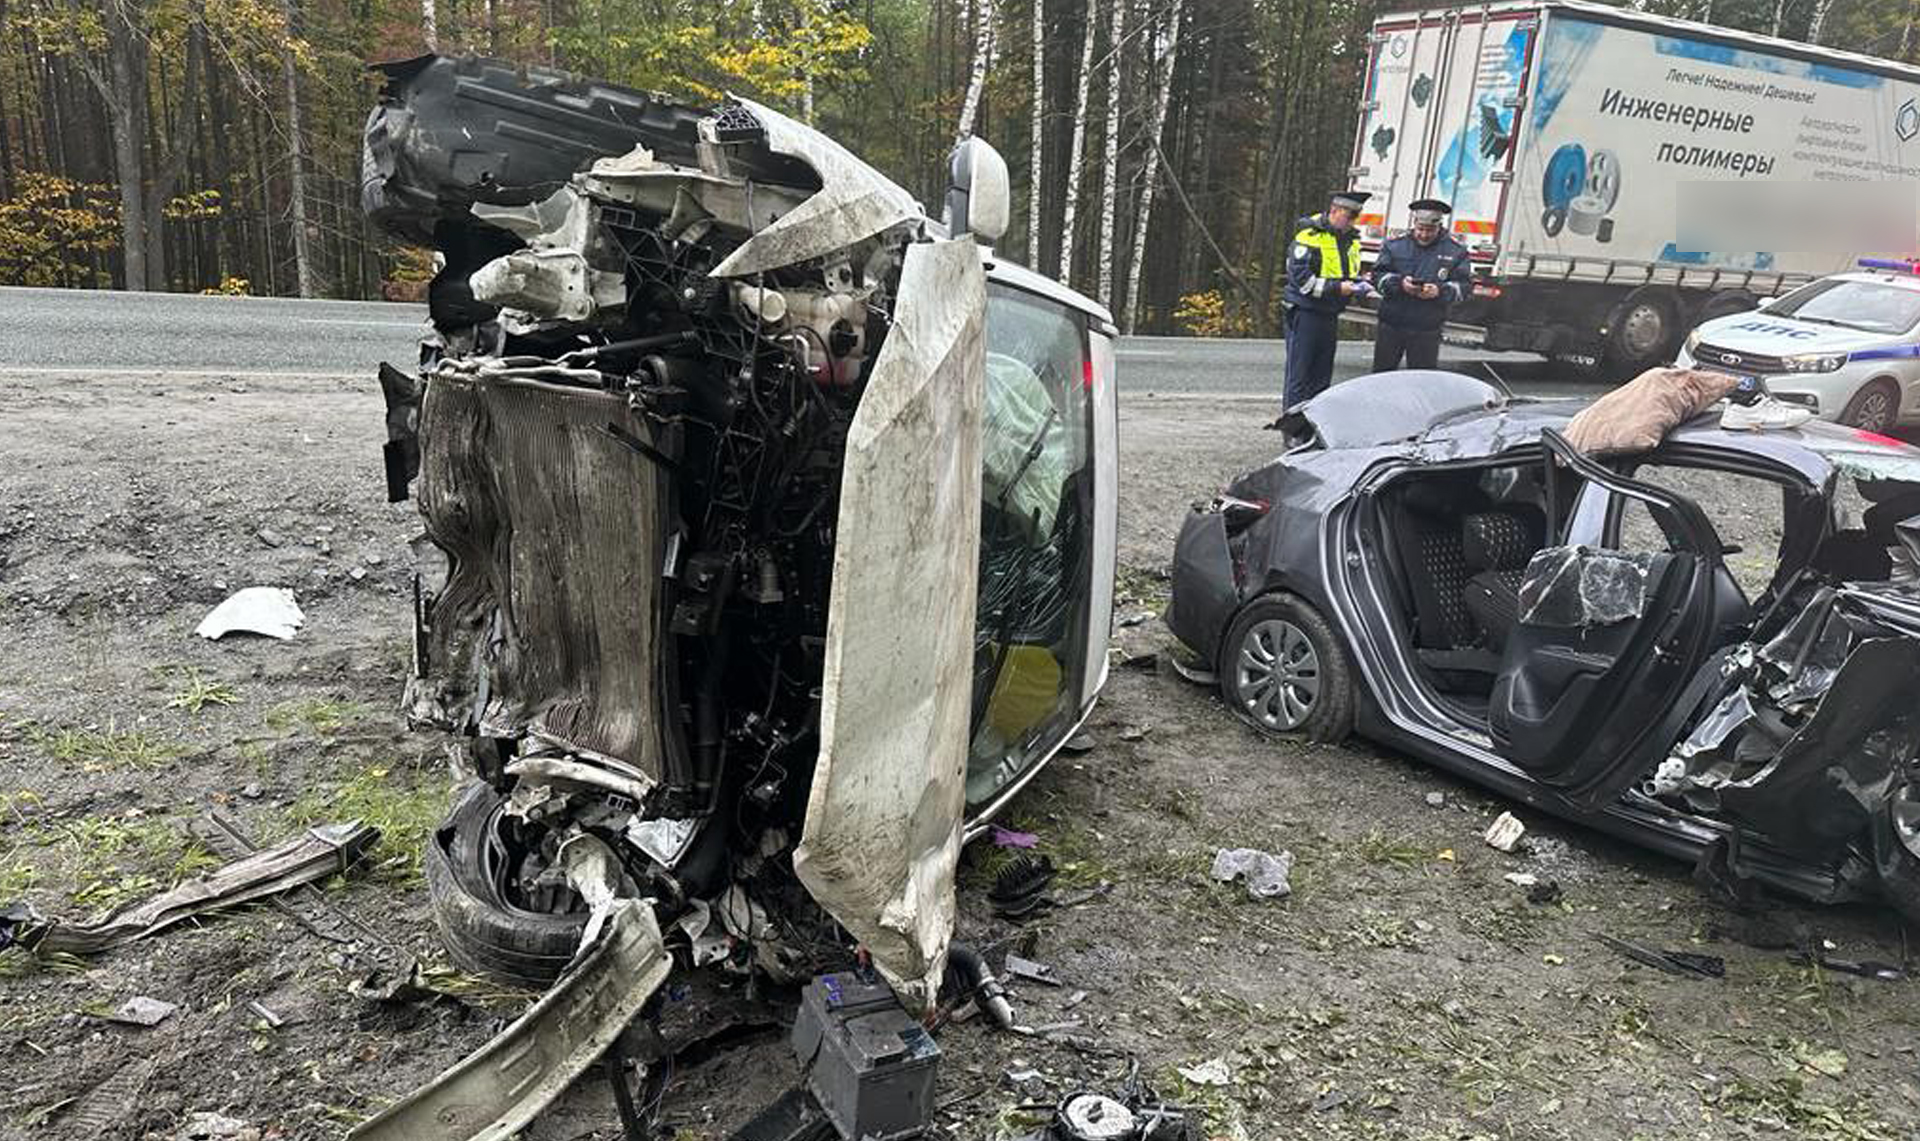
(1845, 347)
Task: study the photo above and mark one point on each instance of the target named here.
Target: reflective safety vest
(1336, 263)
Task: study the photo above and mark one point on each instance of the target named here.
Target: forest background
(1160, 149)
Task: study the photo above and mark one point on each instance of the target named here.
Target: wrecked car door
(1600, 674)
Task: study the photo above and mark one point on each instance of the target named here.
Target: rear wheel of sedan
(1875, 407)
(1283, 670)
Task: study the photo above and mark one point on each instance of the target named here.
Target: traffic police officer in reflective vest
(1419, 275)
(1323, 271)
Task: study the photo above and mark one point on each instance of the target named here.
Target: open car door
(1599, 676)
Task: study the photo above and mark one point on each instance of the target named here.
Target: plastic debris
(1671, 962)
(1506, 832)
(1521, 879)
(1436, 800)
(1008, 838)
(1212, 1072)
(143, 1011)
(266, 610)
(1266, 873)
(1021, 887)
(216, 1127)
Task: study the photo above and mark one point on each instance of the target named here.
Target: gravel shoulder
(1405, 989)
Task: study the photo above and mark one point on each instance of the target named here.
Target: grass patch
(1378, 848)
(108, 748)
(322, 715)
(1786, 1103)
(16, 963)
(1149, 588)
(117, 860)
(404, 804)
(200, 692)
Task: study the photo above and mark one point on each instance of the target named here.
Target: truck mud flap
(495, 1091)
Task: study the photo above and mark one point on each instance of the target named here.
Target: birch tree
(1076, 154)
(1166, 50)
(296, 163)
(1038, 138)
(977, 77)
(430, 23)
(1110, 177)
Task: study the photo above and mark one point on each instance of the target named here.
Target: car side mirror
(979, 195)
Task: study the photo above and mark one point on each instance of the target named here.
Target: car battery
(870, 1064)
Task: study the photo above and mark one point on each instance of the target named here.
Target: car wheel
(1283, 670)
(484, 932)
(1875, 407)
(1898, 870)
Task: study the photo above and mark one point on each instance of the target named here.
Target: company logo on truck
(1906, 121)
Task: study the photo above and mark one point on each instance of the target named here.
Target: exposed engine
(631, 624)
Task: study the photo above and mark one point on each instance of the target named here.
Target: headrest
(1502, 540)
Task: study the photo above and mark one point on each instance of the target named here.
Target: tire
(1725, 305)
(1875, 408)
(483, 932)
(1315, 696)
(1643, 332)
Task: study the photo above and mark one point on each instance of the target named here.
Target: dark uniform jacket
(1318, 258)
(1444, 263)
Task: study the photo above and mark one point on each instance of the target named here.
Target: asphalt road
(83, 330)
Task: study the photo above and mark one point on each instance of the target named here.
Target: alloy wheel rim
(1876, 412)
(1277, 674)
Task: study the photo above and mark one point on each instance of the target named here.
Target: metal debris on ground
(1146, 661)
(1864, 968)
(269, 611)
(1544, 893)
(1671, 962)
(1133, 1112)
(1506, 832)
(142, 1011)
(1135, 732)
(313, 855)
(1024, 968)
(268, 1016)
(1266, 874)
(1436, 800)
(1080, 743)
(1521, 879)
(1074, 999)
(1133, 620)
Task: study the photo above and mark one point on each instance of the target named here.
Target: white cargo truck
(1573, 140)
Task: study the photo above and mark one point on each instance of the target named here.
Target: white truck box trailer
(1569, 136)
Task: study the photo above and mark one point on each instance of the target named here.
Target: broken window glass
(1584, 586)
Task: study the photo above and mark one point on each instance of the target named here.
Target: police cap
(1351, 199)
(1430, 211)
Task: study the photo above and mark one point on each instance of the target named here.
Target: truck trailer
(1573, 140)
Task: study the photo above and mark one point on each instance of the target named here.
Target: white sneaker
(1764, 415)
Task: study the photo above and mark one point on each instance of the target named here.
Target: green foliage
(94, 748)
(54, 231)
(404, 804)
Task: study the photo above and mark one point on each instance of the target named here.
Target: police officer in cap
(1419, 275)
(1323, 272)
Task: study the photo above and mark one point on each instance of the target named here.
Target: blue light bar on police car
(1894, 264)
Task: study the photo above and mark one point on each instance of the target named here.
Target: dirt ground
(1405, 989)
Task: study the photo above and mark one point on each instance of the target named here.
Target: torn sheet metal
(883, 823)
(552, 278)
(554, 531)
(269, 611)
(1584, 586)
(1832, 779)
(495, 1091)
(311, 856)
(1809, 653)
(854, 202)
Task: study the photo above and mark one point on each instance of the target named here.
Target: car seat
(1496, 546)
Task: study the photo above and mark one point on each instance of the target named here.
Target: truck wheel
(1283, 670)
(1643, 332)
(1725, 305)
(1875, 408)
